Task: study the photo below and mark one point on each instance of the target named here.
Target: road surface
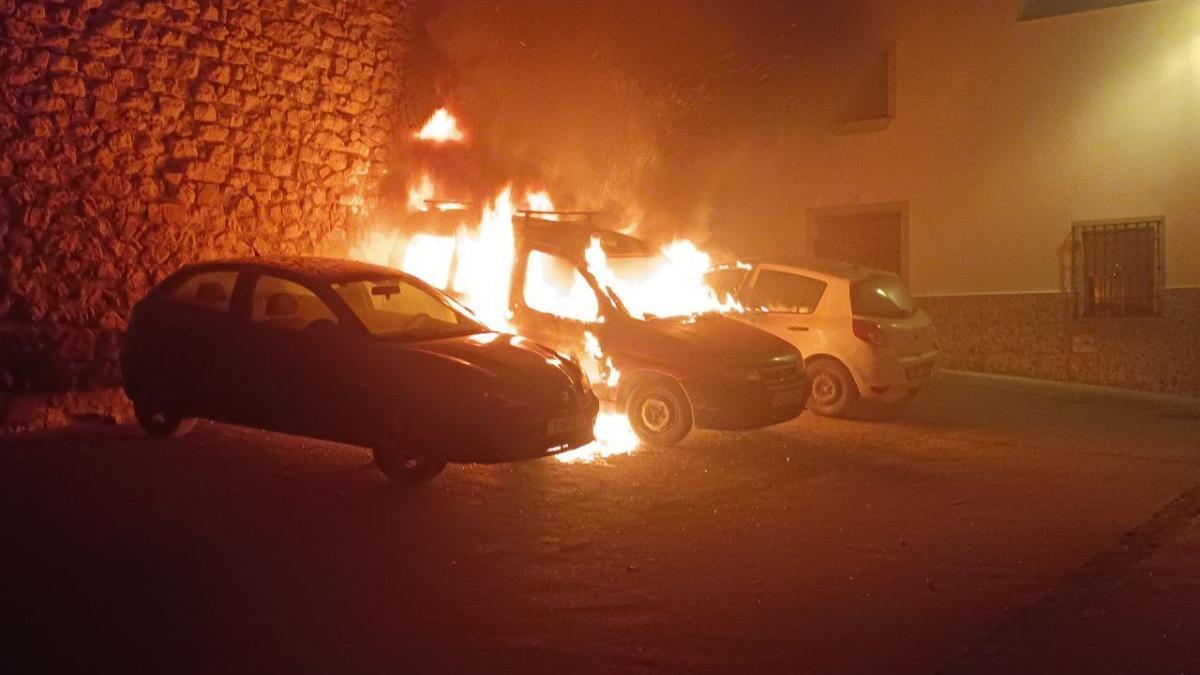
(992, 526)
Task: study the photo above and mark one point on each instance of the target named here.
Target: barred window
(1117, 267)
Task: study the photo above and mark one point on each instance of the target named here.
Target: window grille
(1117, 268)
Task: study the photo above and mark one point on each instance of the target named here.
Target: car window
(287, 304)
(881, 295)
(396, 308)
(776, 291)
(726, 282)
(555, 286)
(211, 290)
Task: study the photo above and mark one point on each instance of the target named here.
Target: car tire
(161, 424)
(660, 413)
(834, 393)
(407, 458)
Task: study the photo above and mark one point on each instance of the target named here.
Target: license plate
(561, 425)
(787, 397)
(918, 372)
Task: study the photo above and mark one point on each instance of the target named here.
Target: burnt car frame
(320, 348)
(705, 371)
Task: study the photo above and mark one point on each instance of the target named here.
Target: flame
(420, 194)
(476, 263)
(485, 261)
(672, 284)
(429, 258)
(614, 436)
(442, 127)
(539, 201)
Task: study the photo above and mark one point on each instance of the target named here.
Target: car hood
(713, 339)
(495, 361)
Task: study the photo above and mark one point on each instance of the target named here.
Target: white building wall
(1006, 132)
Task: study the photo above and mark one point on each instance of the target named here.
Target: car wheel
(834, 393)
(408, 458)
(660, 413)
(161, 424)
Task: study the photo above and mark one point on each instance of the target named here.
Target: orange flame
(477, 263)
(442, 127)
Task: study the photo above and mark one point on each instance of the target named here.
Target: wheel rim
(656, 414)
(826, 388)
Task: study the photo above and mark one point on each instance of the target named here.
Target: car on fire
(352, 353)
(676, 373)
(859, 328)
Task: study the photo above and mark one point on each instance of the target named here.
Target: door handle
(797, 329)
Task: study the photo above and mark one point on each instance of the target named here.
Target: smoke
(670, 113)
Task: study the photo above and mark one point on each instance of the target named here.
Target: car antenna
(255, 249)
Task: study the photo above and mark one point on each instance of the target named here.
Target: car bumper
(527, 434)
(895, 379)
(730, 406)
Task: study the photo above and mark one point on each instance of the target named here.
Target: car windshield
(882, 296)
(397, 308)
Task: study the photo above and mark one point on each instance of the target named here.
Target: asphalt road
(927, 541)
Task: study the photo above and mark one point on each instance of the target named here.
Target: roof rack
(558, 216)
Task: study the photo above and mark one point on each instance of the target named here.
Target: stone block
(68, 86)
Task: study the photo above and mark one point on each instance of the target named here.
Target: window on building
(207, 290)
(867, 100)
(1117, 268)
(1041, 9)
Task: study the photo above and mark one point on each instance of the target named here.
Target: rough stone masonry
(136, 136)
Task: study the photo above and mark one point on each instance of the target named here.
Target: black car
(353, 353)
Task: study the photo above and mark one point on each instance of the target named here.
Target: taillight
(870, 333)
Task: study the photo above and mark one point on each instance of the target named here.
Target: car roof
(573, 238)
(326, 270)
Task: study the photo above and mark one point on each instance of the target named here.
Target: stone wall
(1036, 335)
(136, 136)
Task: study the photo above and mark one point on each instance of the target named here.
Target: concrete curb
(1079, 390)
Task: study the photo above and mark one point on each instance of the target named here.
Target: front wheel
(160, 423)
(660, 413)
(834, 393)
(408, 457)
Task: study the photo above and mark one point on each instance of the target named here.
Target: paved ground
(991, 527)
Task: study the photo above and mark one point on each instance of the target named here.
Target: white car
(859, 330)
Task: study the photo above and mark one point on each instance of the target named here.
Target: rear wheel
(161, 424)
(660, 413)
(834, 393)
(407, 457)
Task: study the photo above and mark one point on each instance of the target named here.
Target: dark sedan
(352, 353)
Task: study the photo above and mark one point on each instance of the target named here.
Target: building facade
(1032, 168)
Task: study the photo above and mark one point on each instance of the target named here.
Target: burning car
(353, 353)
(669, 372)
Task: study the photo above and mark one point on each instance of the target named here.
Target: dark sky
(677, 114)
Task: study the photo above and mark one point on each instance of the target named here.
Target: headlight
(739, 374)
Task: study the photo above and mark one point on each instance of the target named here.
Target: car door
(292, 344)
(190, 364)
(783, 303)
(554, 303)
